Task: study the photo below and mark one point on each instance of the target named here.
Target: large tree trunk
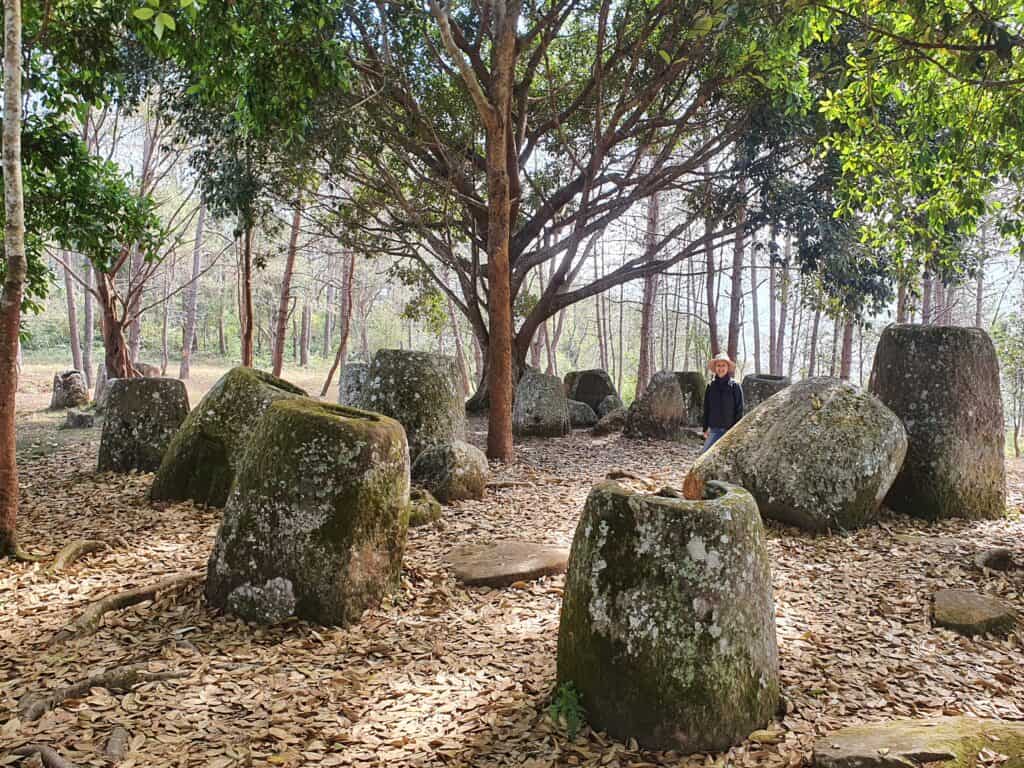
(89, 330)
(753, 307)
(646, 361)
(69, 291)
(736, 288)
(281, 318)
(345, 320)
(245, 313)
(901, 302)
(192, 296)
(15, 277)
(115, 347)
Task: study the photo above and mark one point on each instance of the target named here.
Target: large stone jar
(142, 416)
(667, 627)
(943, 382)
(203, 456)
(319, 510)
(758, 387)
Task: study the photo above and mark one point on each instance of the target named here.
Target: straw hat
(724, 358)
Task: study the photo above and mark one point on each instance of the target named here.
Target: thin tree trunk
(90, 323)
(979, 296)
(938, 302)
(281, 318)
(246, 319)
(780, 338)
(926, 298)
(460, 352)
(755, 317)
(812, 362)
(835, 347)
(69, 290)
(847, 355)
(709, 282)
(164, 356)
(736, 288)
(772, 304)
(619, 364)
(650, 296)
(328, 313)
(345, 320)
(901, 303)
(15, 277)
(795, 331)
(192, 296)
(115, 346)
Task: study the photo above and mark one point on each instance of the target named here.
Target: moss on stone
(541, 408)
(758, 387)
(453, 471)
(667, 626)
(943, 382)
(420, 391)
(590, 387)
(692, 384)
(820, 455)
(202, 458)
(321, 499)
(142, 417)
(424, 509)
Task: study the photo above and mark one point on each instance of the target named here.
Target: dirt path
(443, 675)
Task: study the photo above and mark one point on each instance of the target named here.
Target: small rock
(581, 414)
(452, 471)
(971, 613)
(423, 508)
(505, 563)
(998, 559)
(910, 743)
(79, 420)
(611, 403)
(270, 604)
(613, 421)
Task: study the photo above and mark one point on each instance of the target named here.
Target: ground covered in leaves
(443, 675)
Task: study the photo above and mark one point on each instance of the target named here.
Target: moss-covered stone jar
(667, 628)
(201, 461)
(141, 418)
(321, 500)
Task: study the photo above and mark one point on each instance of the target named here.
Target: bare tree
(192, 297)
(284, 304)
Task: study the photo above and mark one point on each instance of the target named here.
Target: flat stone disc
(506, 562)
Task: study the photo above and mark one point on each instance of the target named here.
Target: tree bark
(846, 364)
(835, 347)
(772, 303)
(69, 290)
(709, 283)
(979, 296)
(245, 317)
(780, 334)
(281, 318)
(812, 362)
(304, 333)
(736, 288)
(646, 361)
(901, 302)
(15, 277)
(90, 323)
(926, 298)
(116, 354)
(192, 296)
(754, 312)
(345, 320)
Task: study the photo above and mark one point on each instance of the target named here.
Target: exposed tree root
(117, 680)
(47, 754)
(20, 555)
(117, 744)
(90, 619)
(73, 551)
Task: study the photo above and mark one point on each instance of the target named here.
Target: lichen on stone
(142, 416)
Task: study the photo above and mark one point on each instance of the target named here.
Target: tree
(15, 275)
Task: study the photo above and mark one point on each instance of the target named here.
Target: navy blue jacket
(723, 403)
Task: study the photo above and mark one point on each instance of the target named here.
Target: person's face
(721, 368)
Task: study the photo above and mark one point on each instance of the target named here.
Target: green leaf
(144, 14)
(158, 28)
(167, 20)
(665, 56)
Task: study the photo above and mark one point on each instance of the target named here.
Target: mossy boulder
(590, 387)
(420, 391)
(943, 742)
(142, 416)
(581, 415)
(609, 404)
(453, 471)
(203, 456)
(321, 499)
(758, 387)
(611, 422)
(943, 382)
(541, 408)
(659, 411)
(69, 390)
(820, 455)
(351, 382)
(667, 627)
(693, 384)
(424, 509)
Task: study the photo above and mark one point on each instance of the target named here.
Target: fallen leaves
(441, 675)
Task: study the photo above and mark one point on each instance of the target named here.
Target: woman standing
(723, 400)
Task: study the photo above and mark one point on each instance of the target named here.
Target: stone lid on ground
(506, 562)
(909, 743)
(972, 613)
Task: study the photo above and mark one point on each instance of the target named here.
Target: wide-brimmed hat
(721, 356)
